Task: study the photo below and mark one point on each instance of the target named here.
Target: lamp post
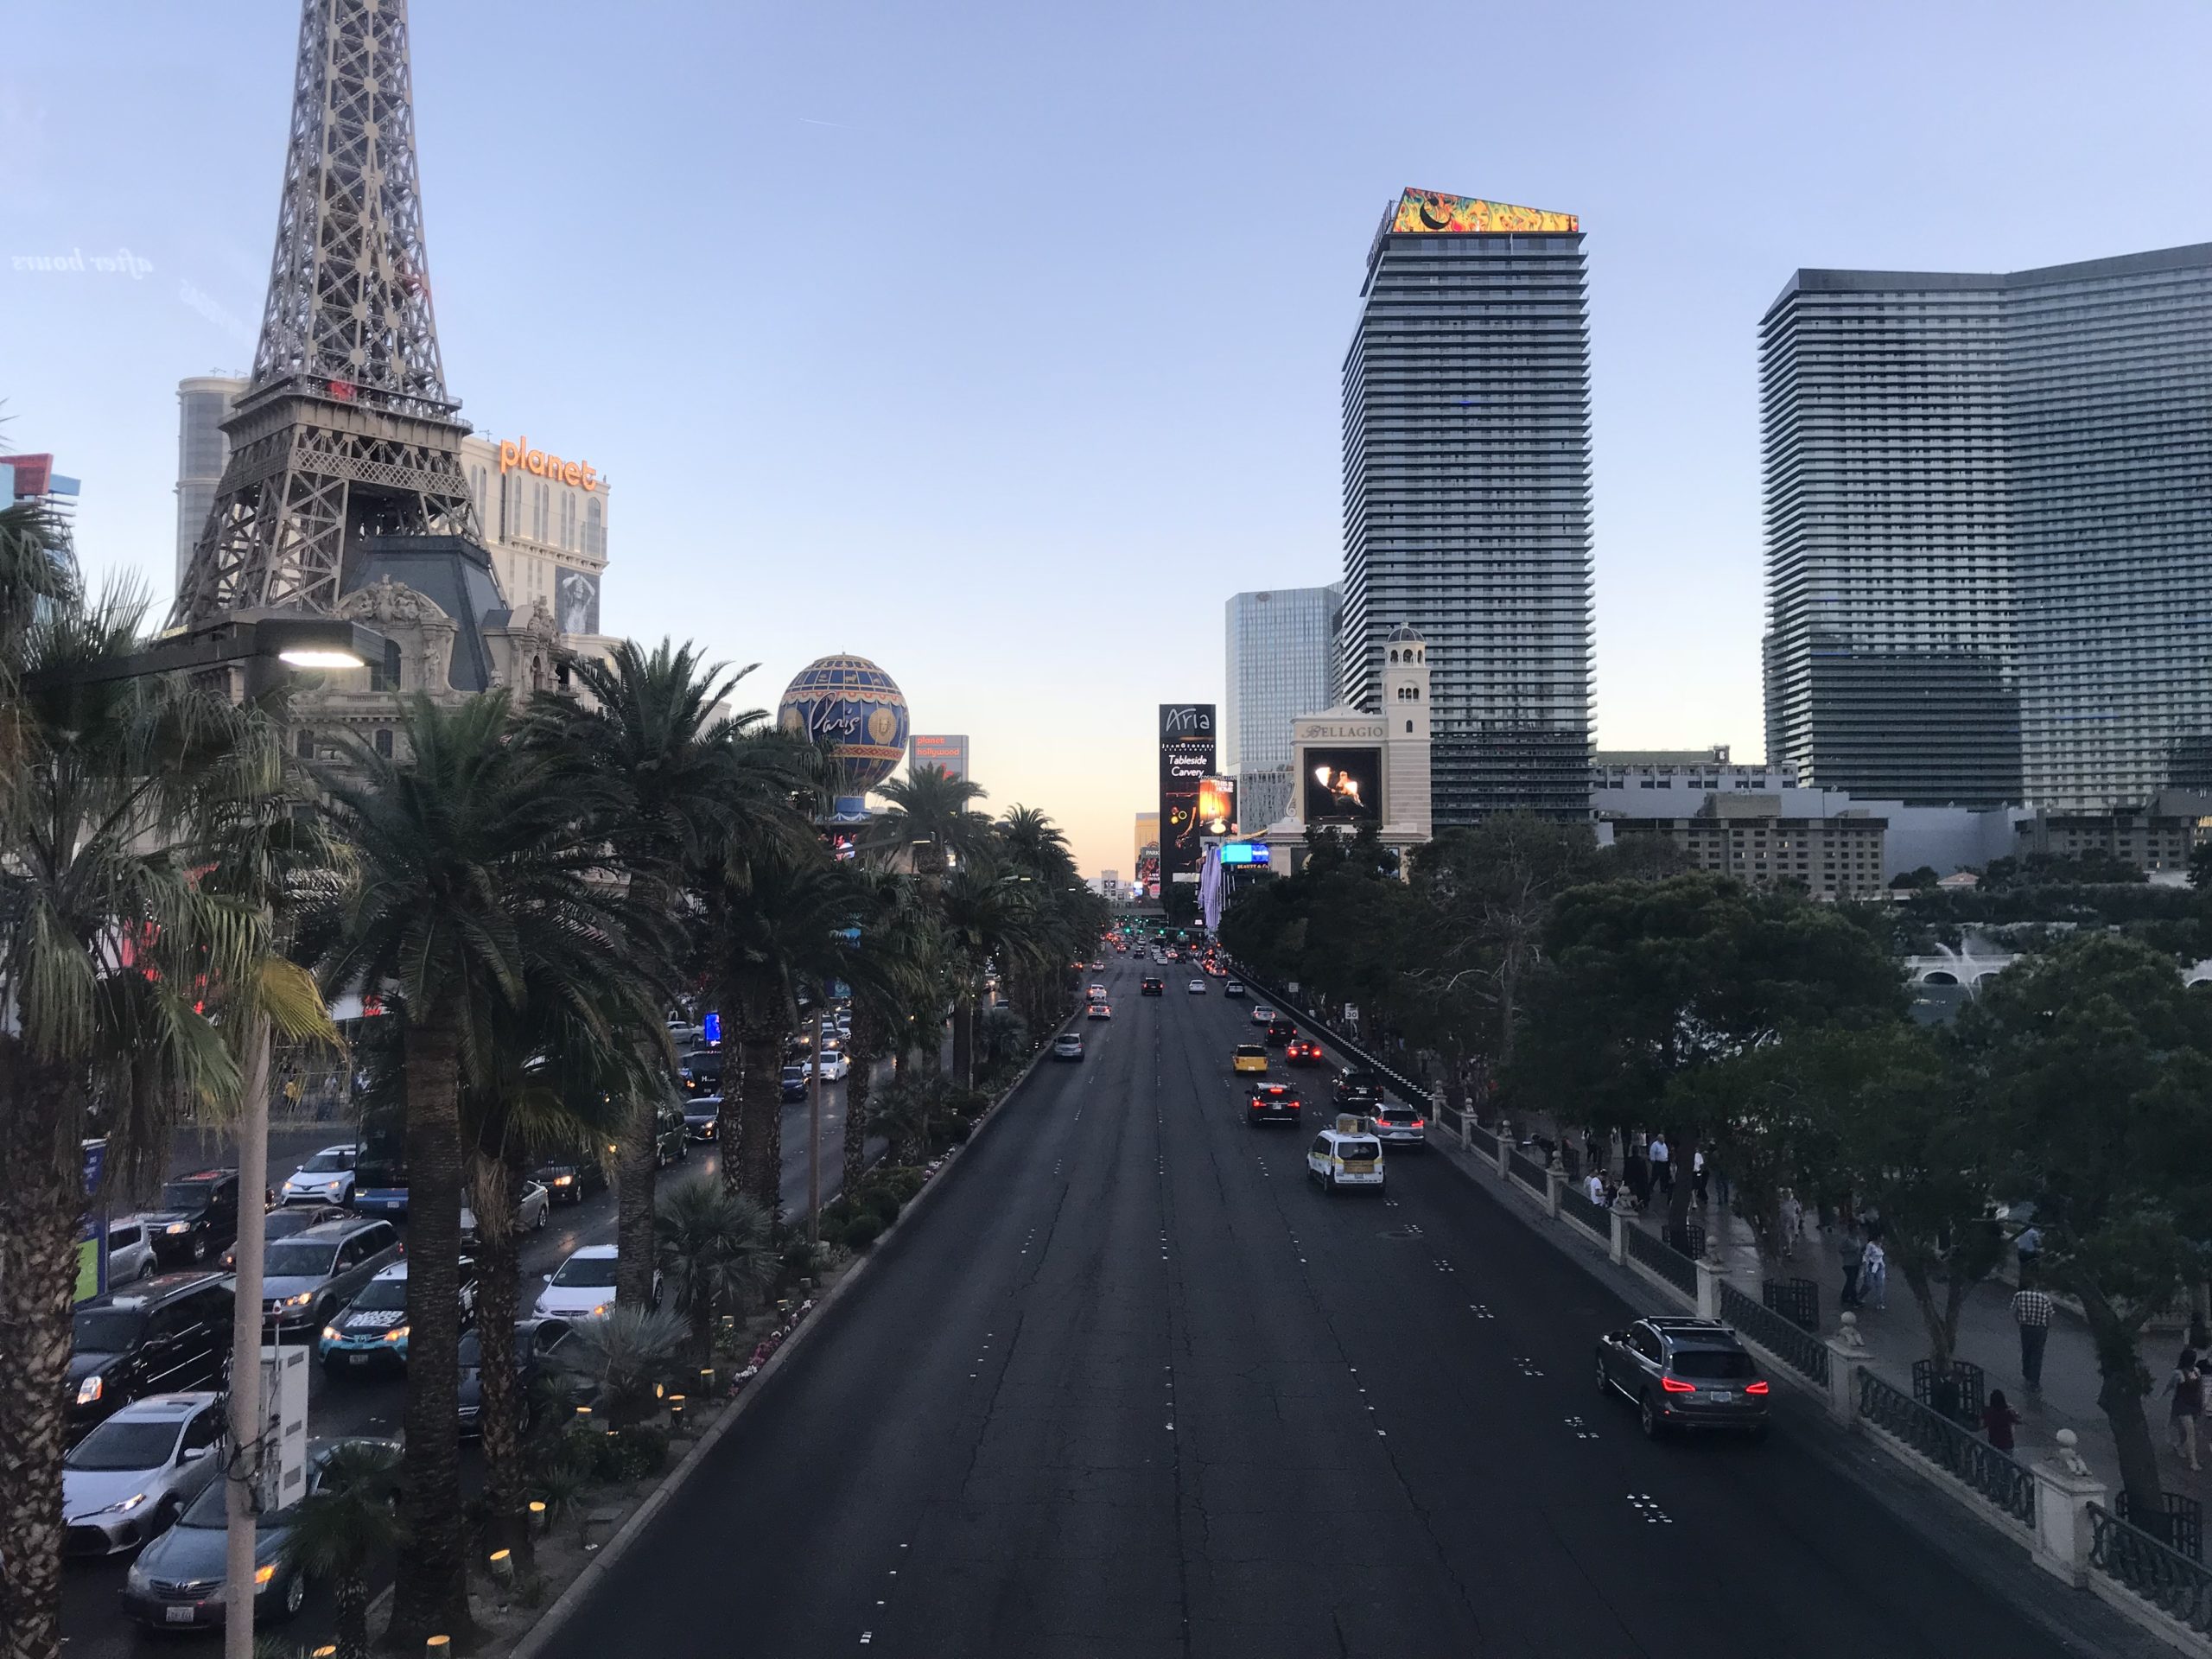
(267, 645)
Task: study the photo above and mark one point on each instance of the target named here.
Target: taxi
(1347, 1156)
(1250, 1058)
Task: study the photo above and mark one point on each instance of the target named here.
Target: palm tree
(479, 888)
(110, 950)
(898, 939)
(931, 820)
(650, 741)
(624, 1361)
(990, 914)
(341, 1529)
(716, 1250)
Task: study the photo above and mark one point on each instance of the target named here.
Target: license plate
(357, 1359)
(181, 1615)
(1723, 1397)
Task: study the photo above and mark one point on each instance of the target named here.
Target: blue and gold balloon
(856, 708)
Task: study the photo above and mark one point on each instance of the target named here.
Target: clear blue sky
(999, 341)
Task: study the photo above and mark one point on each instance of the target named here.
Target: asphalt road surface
(1132, 1386)
(346, 1405)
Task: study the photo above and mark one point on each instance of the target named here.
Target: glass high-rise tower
(1467, 469)
(1281, 661)
(1989, 531)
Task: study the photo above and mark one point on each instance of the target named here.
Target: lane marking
(1647, 1506)
(1580, 1430)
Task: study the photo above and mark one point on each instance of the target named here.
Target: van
(1347, 1156)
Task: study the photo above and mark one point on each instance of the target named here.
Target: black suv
(1153, 985)
(164, 1334)
(1357, 1090)
(197, 1218)
(1684, 1373)
(1279, 1031)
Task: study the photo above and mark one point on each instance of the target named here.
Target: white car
(835, 1066)
(531, 1209)
(327, 1178)
(583, 1287)
(1197, 987)
(1262, 1015)
(132, 1476)
(129, 1251)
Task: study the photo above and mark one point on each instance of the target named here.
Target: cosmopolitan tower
(1466, 467)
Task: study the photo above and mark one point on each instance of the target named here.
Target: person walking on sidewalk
(1662, 1168)
(2186, 1385)
(1874, 1273)
(1851, 1255)
(1792, 1219)
(2032, 1313)
(1697, 1180)
(1998, 1417)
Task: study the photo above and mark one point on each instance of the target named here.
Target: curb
(633, 1527)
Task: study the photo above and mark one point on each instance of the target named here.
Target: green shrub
(635, 1452)
(881, 1203)
(860, 1231)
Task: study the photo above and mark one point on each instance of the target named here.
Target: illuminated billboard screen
(1245, 852)
(1431, 211)
(1185, 760)
(1217, 805)
(1344, 785)
(948, 752)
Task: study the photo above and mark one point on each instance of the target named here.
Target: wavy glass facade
(1282, 648)
(1466, 470)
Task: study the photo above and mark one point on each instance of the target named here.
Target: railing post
(1708, 1288)
(2064, 1491)
(1846, 1359)
(1554, 1184)
(1619, 1251)
(1504, 1149)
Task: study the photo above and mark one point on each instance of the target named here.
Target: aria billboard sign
(1187, 759)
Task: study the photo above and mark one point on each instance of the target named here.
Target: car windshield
(207, 1510)
(1719, 1363)
(299, 1258)
(326, 1163)
(587, 1272)
(380, 1295)
(1396, 1113)
(120, 1443)
(185, 1195)
(107, 1329)
(283, 1224)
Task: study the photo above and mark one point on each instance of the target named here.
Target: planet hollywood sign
(517, 457)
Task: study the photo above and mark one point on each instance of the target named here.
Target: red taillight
(1675, 1385)
(1756, 1387)
(1419, 1123)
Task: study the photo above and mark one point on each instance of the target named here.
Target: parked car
(132, 1476)
(327, 1178)
(1068, 1046)
(372, 1332)
(309, 1276)
(178, 1580)
(531, 1209)
(1684, 1373)
(129, 1252)
(571, 1176)
(702, 1117)
(197, 1216)
(583, 1287)
(286, 1222)
(162, 1335)
(538, 1346)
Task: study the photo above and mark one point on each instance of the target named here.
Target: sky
(1000, 342)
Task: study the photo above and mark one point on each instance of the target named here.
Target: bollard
(538, 1517)
(438, 1647)
(503, 1567)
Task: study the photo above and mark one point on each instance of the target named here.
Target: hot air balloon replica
(857, 709)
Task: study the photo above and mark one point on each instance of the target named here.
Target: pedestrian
(1639, 1176)
(1663, 1168)
(2028, 1247)
(1851, 1255)
(2186, 1385)
(1997, 1419)
(1697, 1179)
(1874, 1272)
(2032, 1313)
(1792, 1220)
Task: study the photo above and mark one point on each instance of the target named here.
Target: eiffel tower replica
(345, 432)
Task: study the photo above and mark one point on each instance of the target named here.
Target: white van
(1347, 1156)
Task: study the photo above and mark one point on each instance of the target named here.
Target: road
(1131, 1386)
(347, 1406)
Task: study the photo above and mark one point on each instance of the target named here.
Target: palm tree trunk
(499, 1401)
(964, 1038)
(760, 1156)
(352, 1593)
(634, 1201)
(860, 1083)
(40, 1200)
(432, 1595)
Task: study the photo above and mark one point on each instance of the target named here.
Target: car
(1272, 1103)
(1346, 1158)
(163, 1335)
(327, 1178)
(1262, 1013)
(672, 1142)
(309, 1276)
(702, 1117)
(1152, 985)
(531, 1210)
(129, 1251)
(1396, 1125)
(198, 1216)
(795, 1080)
(132, 1476)
(571, 1176)
(1303, 1050)
(1099, 1011)
(284, 1222)
(1098, 967)
(1280, 1030)
(1357, 1090)
(1068, 1046)
(1197, 988)
(1235, 987)
(177, 1582)
(583, 1287)
(372, 1332)
(1250, 1057)
(1683, 1373)
(537, 1342)
(1096, 994)
(837, 1066)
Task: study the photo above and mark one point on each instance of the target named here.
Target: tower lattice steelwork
(346, 431)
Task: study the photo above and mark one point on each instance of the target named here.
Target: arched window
(594, 530)
(384, 741)
(1410, 725)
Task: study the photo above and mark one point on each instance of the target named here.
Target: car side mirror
(546, 1277)
(192, 1454)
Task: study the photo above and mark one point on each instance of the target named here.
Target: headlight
(91, 1389)
(600, 1310)
(300, 1301)
(564, 1180)
(333, 1187)
(126, 1507)
(397, 1333)
(262, 1575)
(136, 1577)
(330, 1333)
(177, 1227)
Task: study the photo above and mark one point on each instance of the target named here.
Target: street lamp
(268, 645)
